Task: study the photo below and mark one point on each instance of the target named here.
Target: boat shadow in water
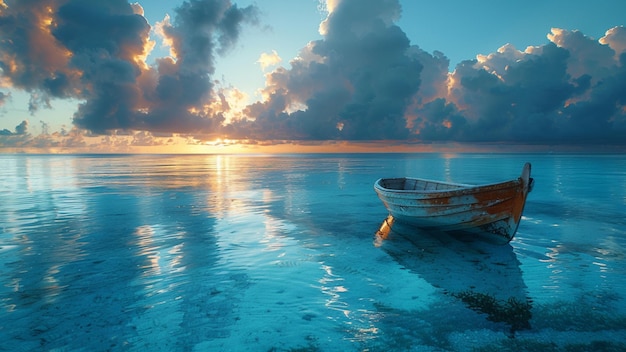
(486, 277)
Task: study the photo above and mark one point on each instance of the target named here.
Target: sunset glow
(140, 76)
(312, 175)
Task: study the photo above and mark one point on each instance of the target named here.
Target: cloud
(615, 38)
(95, 52)
(267, 60)
(586, 56)
(4, 97)
(30, 57)
(16, 142)
(176, 95)
(22, 128)
(363, 80)
(353, 84)
(568, 91)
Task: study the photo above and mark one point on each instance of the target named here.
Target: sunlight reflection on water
(184, 252)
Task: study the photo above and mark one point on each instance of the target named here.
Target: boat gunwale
(464, 189)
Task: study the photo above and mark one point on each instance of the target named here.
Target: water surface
(278, 253)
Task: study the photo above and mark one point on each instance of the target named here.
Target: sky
(220, 75)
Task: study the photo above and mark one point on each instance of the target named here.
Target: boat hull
(491, 211)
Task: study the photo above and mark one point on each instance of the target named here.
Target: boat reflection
(484, 276)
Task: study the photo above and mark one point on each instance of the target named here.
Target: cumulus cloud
(615, 38)
(22, 128)
(353, 84)
(363, 80)
(30, 57)
(95, 51)
(269, 59)
(177, 94)
(570, 90)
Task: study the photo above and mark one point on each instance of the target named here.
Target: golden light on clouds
(331, 5)
(237, 102)
(137, 8)
(79, 141)
(108, 73)
(228, 101)
(452, 83)
(10, 66)
(616, 39)
(44, 46)
(269, 59)
(556, 36)
(141, 58)
(166, 41)
(327, 6)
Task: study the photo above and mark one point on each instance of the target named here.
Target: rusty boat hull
(491, 211)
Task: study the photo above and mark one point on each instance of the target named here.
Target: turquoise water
(278, 253)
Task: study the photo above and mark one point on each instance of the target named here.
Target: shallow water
(278, 253)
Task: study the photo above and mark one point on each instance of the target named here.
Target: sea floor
(279, 253)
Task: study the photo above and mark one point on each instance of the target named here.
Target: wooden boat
(491, 210)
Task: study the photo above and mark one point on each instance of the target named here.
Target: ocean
(279, 253)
